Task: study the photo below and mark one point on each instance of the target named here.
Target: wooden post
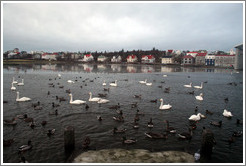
(208, 142)
(69, 139)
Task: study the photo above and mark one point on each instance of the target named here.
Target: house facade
(210, 60)
(187, 60)
(200, 58)
(147, 59)
(131, 58)
(167, 60)
(49, 56)
(224, 60)
(88, 58)
(101, 58)
(116, 59)
(239, 57)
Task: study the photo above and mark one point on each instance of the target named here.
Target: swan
(101, 101)
(164, 75)
(21, 83)
(104, 83)
(70, 81)
(199, 97)
(188, 86)
(14, 82)
(164, 107)
(113, 84)
(227, 113)
(59, 75)
(148, 84)
(13, 87)
(94, 98)
(75, 101)
(143, 82)
(21, 99)
(195, 117)
(199, 87)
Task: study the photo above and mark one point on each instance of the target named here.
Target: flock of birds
(153, 135)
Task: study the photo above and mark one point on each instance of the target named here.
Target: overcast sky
(114, 26)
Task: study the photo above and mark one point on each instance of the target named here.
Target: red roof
(201, 54)
(132, 56)
(148, 56)
(224, 55)
(188, 56)
(170, 51)
(88, 55)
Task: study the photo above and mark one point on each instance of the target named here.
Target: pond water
(89, 78)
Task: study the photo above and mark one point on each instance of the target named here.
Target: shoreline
(27, 61)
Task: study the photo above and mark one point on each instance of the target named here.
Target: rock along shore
(133, 156)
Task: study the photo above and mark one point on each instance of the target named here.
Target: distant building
(167, 60)
(148, 59)
(210, 60)
(224, 60)
(88, 58)
(101, 58)
(49, 56)
(188, 60)
(116, 59)
(239, 57)
(200, 58)
(131, 58)
(193, 54)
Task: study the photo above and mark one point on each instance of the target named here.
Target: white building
(116, 59)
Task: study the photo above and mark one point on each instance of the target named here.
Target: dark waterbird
(128, 141)
(214, 123)
(86, 142)
(156, 135)
(26, 147)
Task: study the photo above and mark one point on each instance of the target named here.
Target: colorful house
(210, 60)
(88, 58)
(148, 59)
(188, 60)
(116, 59)
(131, 58)
(200, 58)
(224, 60)
(49, 56)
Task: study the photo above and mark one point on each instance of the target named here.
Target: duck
(27, 119)
(134, 105)
(75, 101)
(60, 99)
(26, 147)
(226, 100)
(51, 132)
(115, 106)
(214, 123)
(143, 82)
(104, 83)
(150, 124)
(87, 106)
(86, 142)
(8, 142)
(119, 118)
(135, 124)
(23, 98)
(186, 135)
(153, 101)
(128, 141)
(102, 95)
(21, 83)
(168, 128)
(167, 90)
(237, 133)
(68, 91)
(113, 84)
(10, 122)
(70, 81)
(116, 130)
(106, 89)
(227, 113)
(188, 86)
(191, 93)
(137, 96)
(32, 124)
(164, 107)
(199, 97)
(55, 105)
(94, 98)
(14, 82)
(55, 113)
(156, 135)
(101, 101)
(209, 112)
(38, 107)
(199, 87)
(13, 88)
(239, 121)
(99, 118)
(196, 109)
(195, 117)
(44, 122)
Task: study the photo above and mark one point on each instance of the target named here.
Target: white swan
(199, 87)
(75, 101)
(113, 84)
(104, 83)
(164, 107)
(148, 84)
(164, 75)
(14, 82)
(12, 87)
(59, 75)
(195, 117)
(101, 101)
(199, 97)
(22, 99)
(188, 86)
(21, 83)
(70, 81)
(143, 82)
(227, 113)
(94, 98)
